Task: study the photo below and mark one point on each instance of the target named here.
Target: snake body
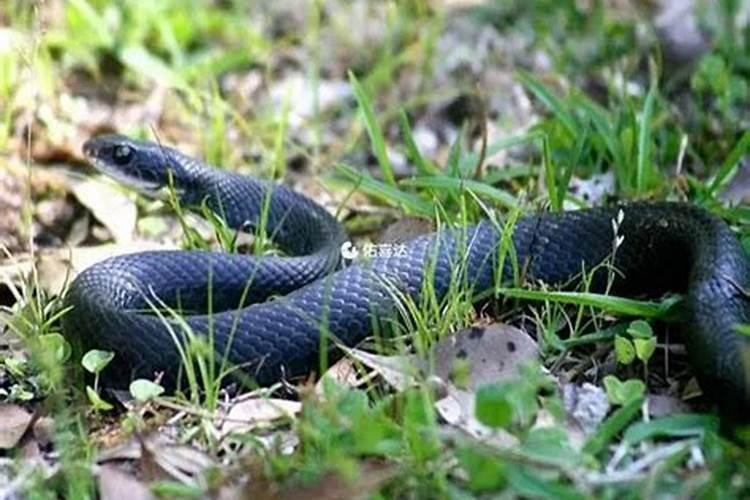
(666, 247)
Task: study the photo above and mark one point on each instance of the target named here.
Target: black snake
(667, 247)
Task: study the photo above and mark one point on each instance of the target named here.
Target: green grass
(190, 46)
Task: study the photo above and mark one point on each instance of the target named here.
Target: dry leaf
(110, 206)
(490, 354)
(398, 371)
(457, 410)
(160, 458)
(115, 485)
(250, 414)
(14, 420)
(344, 373)
(174, 461)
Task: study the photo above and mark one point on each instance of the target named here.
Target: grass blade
(451, 183)
(94, 21)
(373, 130)
(728, 168)
(680, 425)
(385, 192)
(643, 160)
(454, 156)
(553, 190)
(619, 305)
(551, 101)
(424, 167)
(614, 424)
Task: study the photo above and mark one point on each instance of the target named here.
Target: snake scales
(667, 247)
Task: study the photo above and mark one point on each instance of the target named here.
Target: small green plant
(94, 362)
(512, 402)
(144, 390)
(638, 342)
(621, 393)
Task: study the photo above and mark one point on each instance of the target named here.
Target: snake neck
(297, 225)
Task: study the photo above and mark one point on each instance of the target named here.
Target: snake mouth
(150, 188)
(136, 175)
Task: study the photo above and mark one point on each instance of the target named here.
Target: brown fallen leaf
(490, 353)
(163, 459)
(160, 458)
(115, 484)
(14, 421)
(398, 371)
(345, 374)
(258, 412)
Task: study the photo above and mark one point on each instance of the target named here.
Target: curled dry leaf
(344, 373)
(14, 421)
(398, 371)
(489, 354)
(244, 416)
(174, 461)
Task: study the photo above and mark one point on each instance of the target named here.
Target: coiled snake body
(666, 247)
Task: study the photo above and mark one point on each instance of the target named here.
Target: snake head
(145, 166)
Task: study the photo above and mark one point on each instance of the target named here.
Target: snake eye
(122, 154)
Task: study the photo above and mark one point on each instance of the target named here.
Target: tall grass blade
(373, 130)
